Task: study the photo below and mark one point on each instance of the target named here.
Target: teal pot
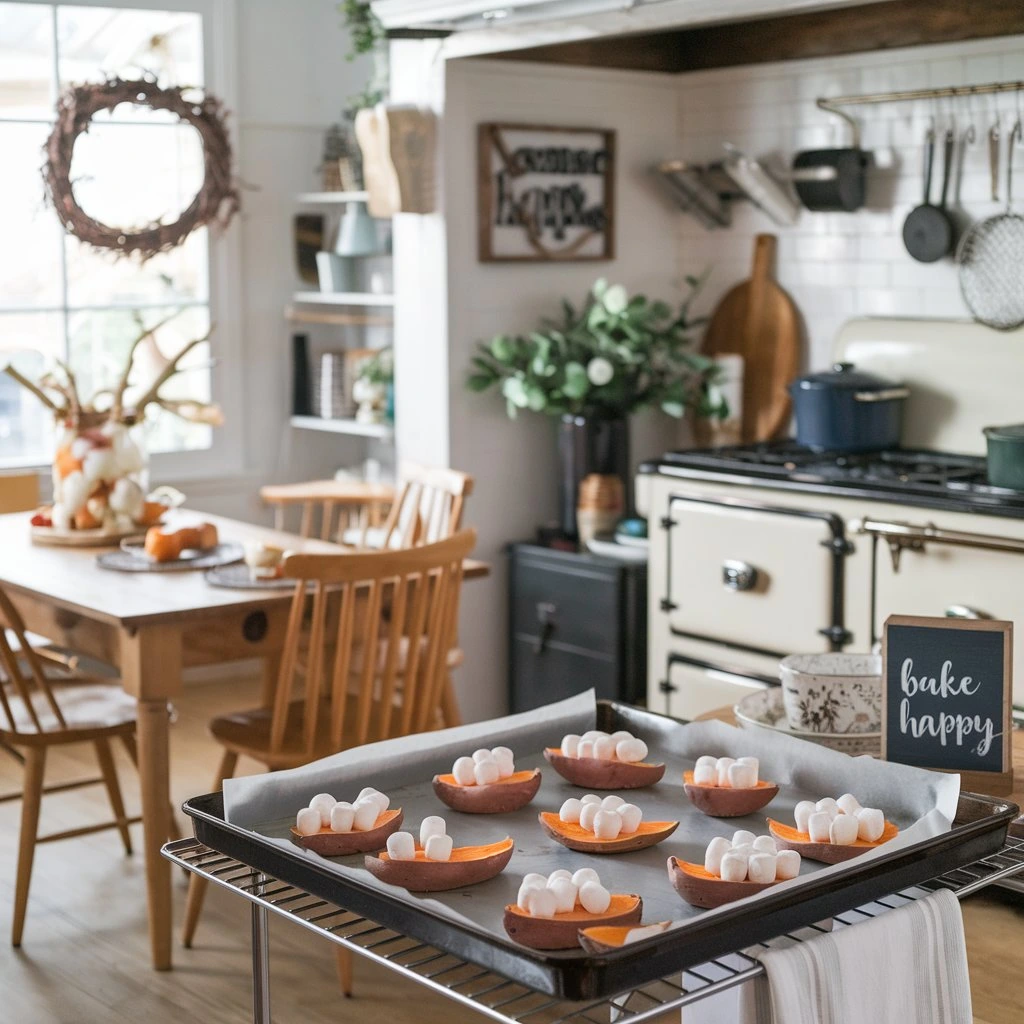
(589, 444)
(1006, 456)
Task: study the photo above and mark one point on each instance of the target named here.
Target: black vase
(588, 444)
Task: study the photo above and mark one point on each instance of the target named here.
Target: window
(59, 297)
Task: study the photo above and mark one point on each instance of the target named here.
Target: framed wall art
(545, 193)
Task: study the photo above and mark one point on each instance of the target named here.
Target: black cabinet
(576, 621)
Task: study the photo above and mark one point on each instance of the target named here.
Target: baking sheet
(921, 803)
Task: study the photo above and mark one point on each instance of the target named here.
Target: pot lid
(842, 376)
(1014, 432)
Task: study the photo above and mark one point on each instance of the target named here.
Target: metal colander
(991, 258)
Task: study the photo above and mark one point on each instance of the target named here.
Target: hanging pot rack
(831, 104)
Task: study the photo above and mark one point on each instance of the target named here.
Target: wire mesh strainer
(991, 258)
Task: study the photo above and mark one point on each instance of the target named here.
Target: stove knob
(738, 575)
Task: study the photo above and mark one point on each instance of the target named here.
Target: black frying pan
(928, 230)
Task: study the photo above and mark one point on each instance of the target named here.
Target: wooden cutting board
(758, 321)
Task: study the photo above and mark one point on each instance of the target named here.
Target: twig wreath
(216, 201)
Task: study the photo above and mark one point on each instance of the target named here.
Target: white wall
(293, 82)
(837, 266)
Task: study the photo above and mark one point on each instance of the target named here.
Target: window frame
(226, 455)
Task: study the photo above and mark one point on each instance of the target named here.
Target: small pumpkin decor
(217, 200)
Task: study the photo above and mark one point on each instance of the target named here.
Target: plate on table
(764, 710)
(132, 557)
(49, 536)
(238, 576)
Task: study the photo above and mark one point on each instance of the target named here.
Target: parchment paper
(921, 803)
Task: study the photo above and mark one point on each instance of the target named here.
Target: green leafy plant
(367, 36)
(379, 368)
(615, 355)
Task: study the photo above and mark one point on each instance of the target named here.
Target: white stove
(761, 551)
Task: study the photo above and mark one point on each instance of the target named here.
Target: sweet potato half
(723, 802)
(562, 931)
(341, 844)
(468, 866)
(604, 938)
(499, 797)
(573, 836)
(700, 888)
(788, 838)
(598, 773)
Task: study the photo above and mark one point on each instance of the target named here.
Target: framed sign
(946, 697)
(545, 193)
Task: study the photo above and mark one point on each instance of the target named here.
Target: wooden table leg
(151, 670)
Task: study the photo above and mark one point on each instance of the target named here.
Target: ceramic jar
(832, 693)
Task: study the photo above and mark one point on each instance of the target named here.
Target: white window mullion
(65, 314)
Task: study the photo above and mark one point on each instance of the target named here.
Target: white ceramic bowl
(833, 693)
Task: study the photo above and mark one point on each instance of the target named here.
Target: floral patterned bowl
(834, 693)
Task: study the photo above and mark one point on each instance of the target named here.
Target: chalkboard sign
(946, 697)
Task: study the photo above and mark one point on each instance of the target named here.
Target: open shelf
(381, 431)
(330, 198)
(343, 298)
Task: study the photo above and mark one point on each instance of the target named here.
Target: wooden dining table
(150, 626)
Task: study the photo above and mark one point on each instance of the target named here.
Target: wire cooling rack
(504, 999)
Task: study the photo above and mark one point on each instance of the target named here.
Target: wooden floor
(85, 957)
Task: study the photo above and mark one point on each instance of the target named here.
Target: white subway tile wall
(837, 266)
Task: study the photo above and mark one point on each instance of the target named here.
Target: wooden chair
(429, 507)
(32, 720)
(330, 507)
(367, 676)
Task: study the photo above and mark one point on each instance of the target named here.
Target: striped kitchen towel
(906, 966)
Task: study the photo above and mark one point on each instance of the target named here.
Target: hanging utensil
(928, 229)
(993, 158)
(991, 258)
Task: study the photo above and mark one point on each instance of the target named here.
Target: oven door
(757, 577)
(926, 569)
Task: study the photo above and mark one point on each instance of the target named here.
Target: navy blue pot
(845, 410)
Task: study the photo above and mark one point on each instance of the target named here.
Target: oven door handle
(913, 536)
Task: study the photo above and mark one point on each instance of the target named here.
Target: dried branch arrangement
(216, 201)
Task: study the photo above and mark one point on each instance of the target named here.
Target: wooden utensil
(758, 321)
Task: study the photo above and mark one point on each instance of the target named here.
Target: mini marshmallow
(464, 771)
(787, 865)
(588, 812)
(717, 849)
(818, 825)
(482, 755)
(631, 816)
(486, 772)
(323, 803)
(722, 766)
(707, 759)
(438, 847)
(604, 748)
(612, 802)
(307, 821)
(828, 805)
(560, 873)
(743, 850)
(506, 761)
(631, 751)
(742, 776)
(570, 745)
(535, 878)
(364, 815)
(432, 825)
(848, 804)
(753, 763)
(401, 846)
(843, 830)
(585, 748)
(870, 824)
(342, 816)
(541, 903)
(803, 812)
(734, 868)
(594, 897)
(705, 774)
(622, 734)
(607, 824)
(765, 844)
(593, 734)
(565, 894)
(742, 836)
(761, 867)
(570, 811)
(590, 798)
(524, 894)
(382, 801)
(584, 875)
